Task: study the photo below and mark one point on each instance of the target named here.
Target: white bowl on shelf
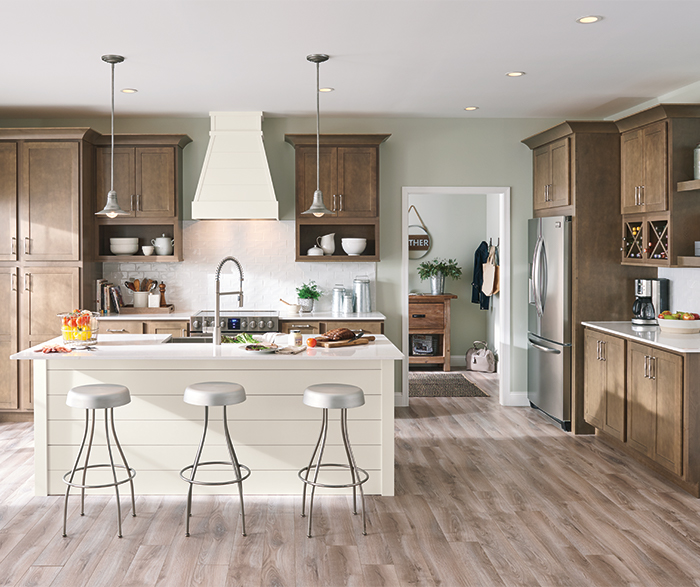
(679, 326)
(353, 246)
(124, 245)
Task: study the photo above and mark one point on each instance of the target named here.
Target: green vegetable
(245, 338)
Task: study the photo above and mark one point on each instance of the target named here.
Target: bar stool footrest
(131, 471)
(335, 485)
(244, 469)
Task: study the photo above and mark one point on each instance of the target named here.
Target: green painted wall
(420, 152)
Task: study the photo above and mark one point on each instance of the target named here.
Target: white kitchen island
(273, 431)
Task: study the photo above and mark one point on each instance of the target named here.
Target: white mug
(163, 245)
(327, 243)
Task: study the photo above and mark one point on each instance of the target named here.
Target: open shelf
(688, 186)
(308, 232)
(688, 261)
(145, 233)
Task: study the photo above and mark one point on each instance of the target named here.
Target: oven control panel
(203, 322)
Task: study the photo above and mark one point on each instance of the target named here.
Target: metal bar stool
(329, 396)
(90, 398)
(214, 393)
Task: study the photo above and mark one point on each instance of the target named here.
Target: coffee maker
(651, 298)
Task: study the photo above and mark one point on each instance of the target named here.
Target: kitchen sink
(188, 339)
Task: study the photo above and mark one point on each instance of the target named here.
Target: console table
(430, 314)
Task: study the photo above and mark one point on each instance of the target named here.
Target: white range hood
(235, 183)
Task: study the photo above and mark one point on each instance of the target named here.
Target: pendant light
(317, 207)
(112, 209)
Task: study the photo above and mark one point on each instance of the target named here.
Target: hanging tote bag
(490, 272)
(480, 358)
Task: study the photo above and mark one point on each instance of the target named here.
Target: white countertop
(328, 316)
(652, 335)
(151, 347)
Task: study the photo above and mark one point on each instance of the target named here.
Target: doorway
(502, 328)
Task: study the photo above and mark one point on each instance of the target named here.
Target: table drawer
(421, 316)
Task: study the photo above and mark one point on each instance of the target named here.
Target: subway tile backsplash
(265, 250)
(684, 288)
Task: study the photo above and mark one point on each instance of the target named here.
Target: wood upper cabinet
(655, 405)
(644, 169)
(49, 201)
(348, 178)
(144, 179)
(9, 397)
(552, 176)
(8, 201)
(604, 382)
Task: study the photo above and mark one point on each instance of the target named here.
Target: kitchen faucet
(239, 293)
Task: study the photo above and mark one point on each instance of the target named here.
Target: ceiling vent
(235, 183)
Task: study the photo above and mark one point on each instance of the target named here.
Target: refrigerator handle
(545, 349)
(543, 274)
(536, 269)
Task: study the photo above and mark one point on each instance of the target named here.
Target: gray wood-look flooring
(485, 496)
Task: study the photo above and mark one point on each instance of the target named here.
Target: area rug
(441, 385)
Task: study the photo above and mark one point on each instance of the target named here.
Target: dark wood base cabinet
(644, 400)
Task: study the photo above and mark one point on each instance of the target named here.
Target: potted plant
(436, 270)
(307, 294)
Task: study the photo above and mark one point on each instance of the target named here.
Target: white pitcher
(163, 244)
(327, 243)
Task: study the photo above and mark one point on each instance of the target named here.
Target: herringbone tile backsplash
(266, 252)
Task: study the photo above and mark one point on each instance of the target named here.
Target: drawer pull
(300, 325)
(115, 330)
(417, 315)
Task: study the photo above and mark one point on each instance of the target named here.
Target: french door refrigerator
(549, 317)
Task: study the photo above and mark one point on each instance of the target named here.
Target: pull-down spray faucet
(219, 293)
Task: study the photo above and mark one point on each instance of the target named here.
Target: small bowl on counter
(679, 326)
(353, 246)
(124, 246)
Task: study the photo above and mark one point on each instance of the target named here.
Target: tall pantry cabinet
(46, 179)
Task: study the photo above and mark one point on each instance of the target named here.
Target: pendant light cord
(318, 131)
(111, 177)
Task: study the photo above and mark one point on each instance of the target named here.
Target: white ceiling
(427, 58)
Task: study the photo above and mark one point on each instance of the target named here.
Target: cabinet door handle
(641, 195)
(27, 282)
(603, 351)
(131, 203)
(334, 202)
(116, 330)
(340, 201)
(417, 315)
(646, 367)
(13, 282)
(138, 203)
(26, 245)
(652, 368)
(597, 350)
(14, 245)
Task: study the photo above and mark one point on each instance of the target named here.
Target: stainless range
(234, 322)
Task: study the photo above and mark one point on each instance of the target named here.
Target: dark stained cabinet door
(357, 182)
(594, 381)
(124, 177)
(306, 177)
(9, 397)
(144, 179)
(8, 201)
(655, 190)
(632, 170)
(552, 176)
(49, 201)
(542, 172)
(641, 406)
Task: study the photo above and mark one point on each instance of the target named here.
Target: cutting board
(334, 344)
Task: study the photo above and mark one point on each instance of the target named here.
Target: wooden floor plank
(486, 496)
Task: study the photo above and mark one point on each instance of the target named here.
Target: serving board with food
(340, 337)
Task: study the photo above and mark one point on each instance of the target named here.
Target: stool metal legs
(240, 477)
(359, 476)
(131, 473)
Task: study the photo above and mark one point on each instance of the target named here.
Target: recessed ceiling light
(129, 91)
(589, 19)
(470, 108)
(326, 89)
(515, 73)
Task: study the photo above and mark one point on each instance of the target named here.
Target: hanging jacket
(480, 257)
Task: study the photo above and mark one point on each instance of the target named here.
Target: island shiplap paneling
(256, 407)
(273, 431)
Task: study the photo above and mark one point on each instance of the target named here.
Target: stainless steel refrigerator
(549, 317)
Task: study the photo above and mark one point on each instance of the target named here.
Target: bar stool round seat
(213, 394)
(99, 396)
(334, 396)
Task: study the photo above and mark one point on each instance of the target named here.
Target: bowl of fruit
(679, 322)
(79, 327)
